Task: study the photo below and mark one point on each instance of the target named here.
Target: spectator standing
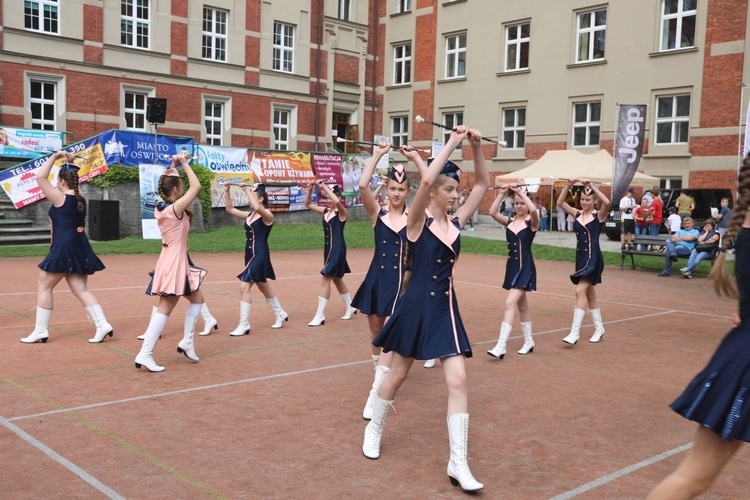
(680, 244)
(673, 222)
(657, 213)
(642, 216)
(685, 205)
(649, 197)
(508, 210)
(725, 215)
(627, 206)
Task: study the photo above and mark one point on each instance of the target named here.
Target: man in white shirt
(627, 206)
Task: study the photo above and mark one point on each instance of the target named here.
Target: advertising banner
(132, 149)
(148, 180)
(28, 143)
(281, 167)
(229, 166)
(628, 147)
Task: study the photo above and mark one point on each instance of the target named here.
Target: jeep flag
(631, 131)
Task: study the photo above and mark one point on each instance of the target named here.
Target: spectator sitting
(673, 222)
(680, 245)
(707, 242)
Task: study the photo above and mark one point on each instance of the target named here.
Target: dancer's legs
(45, 284)
(454, 368)
(400, 367)
(78, 284)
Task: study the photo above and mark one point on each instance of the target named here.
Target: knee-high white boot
(596, 315)
(187, 344)
(320, 318)
(458, 465)
(153, 332)
(374, 430)
(209, 322)
(575, 329)
(280, 313)
(244, 327)
(350, 311)
(40, 328)
(154, 310)
(375, 361)
(380, 374)
(528, 339)
(96, 315)
(499, 350)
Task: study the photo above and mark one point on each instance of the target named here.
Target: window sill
(450, 80)
(452, 2)
(584, 64)
(399, 14)
(514, 72)
(511, 155)
(398, 86)
(673, 51)
(668, 155)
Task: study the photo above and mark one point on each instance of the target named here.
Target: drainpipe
(321, 20)
(376, 44)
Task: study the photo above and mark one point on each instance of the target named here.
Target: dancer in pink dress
(174, 276)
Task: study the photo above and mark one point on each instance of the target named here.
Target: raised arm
(414, 157)
(369, 199)
(533, 214)
(563, 195)
(229, 207)
(603, 200)
(191, 194)
(53, 194)
(495, 207)
(335, 200)
(308, 200)
(481, 179)
(256, 204)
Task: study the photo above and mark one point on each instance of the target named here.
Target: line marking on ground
(52, 454)
(620, 473)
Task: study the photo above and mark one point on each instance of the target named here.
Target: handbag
(706, 247)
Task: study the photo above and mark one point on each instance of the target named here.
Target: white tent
(556, 166)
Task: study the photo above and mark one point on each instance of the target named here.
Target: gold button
(439, 261)
(447, 293)
(452, 261)
(382, 267)
(432, 294)
(434, 277)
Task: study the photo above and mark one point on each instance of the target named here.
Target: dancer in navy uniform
(589, 260)
(334, 252)
(426, 323)
(70, 254)
(520, 271)
(377, 295)
(175, 275)
(258, 269)
(716, 398)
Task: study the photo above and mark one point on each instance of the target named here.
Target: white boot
(458, 466)
(374, 430)
(153, 332)
(209, 322)
(499, 350)
(154, 310)
(380, 373)
(575, 329)
(528, 339)
(375, 361)
(187, 345)
(244, 327)
(430, 363)
(40, 328)
(280, 314)
(350, 311)
(319, 318)
(96, 315)
(596, 315)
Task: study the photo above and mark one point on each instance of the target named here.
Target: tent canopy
(561, 165)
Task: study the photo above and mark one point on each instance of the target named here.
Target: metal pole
(740, 142)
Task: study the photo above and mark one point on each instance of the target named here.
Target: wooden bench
(656, 246)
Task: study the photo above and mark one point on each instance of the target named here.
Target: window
(42, 100)
(514, 128)
(41, 16)
(134, 23)
(403, 6)
(213, 119)
(399, 131)
(281, 129)
(135, 109)
(451, 120)
(678, 24)
(345, 10)
(517, 47)
(592, 28)
(283, 47)
(672, 119)
(586, 123)
(402, 64)
(455, 56)
(215, 34)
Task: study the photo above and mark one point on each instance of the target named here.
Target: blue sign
(135, 148)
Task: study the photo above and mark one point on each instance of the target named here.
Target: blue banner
(135, 148)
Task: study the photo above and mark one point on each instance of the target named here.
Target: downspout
(321, 20)
(376, 44)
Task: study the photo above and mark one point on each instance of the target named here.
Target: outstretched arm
(415, 157)
(191, 194)
(563, 195)
(308, 200)
(335, 200)
(603, 200)
(252, 197)
(533, 214)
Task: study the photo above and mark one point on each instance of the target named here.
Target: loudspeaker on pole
(156, 110)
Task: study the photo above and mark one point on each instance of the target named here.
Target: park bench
(655, 246)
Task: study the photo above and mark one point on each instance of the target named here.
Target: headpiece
(336, 190)
(588, 191)
(170, 172)
(450, 169)
(397, 173)
(70, 167)
(258, 188)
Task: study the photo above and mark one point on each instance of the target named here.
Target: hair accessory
(336, 189)
(450, 169)
(70, 167)
(588, 191)
(259, 188)
(170, 172)
(397, 173)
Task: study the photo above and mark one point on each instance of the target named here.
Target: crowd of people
(408, 293)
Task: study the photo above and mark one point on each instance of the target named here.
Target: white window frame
(403, 6)
(43, 7)
(679, 18)
(452, 119)
(41, 123)
(518, 43)
(345, 10)
(140, 26)
(511, 133)
(210, 138)
(283, 47)
(400, 130)
(133, 89)
(589, 124)
(214, 39)
(591, 33)
(403, 61)
(290, 127)
(455, 56)
(673, 120)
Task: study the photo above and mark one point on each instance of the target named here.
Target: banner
(628, 147)
(229, 166)
(132, 149)
(148, 180)
(19, 183)
(281, 167)
(28, 143)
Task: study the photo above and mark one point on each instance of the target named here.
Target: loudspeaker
(104, 220)
(156, 110)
